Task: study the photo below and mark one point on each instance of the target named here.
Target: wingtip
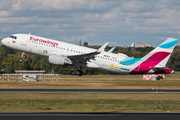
(101, 49)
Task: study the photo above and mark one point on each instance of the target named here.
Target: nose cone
(1, 41)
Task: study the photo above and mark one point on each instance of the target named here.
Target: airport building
(143, 45)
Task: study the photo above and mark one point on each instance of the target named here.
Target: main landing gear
(79, 73)
(22, 56)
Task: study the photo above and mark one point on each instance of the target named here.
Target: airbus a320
(62, 53)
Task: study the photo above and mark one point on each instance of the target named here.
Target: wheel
(79, 73)
(21, 60)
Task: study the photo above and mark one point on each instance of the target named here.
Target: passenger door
(25, 40)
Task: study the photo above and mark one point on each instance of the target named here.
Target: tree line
(9, 59)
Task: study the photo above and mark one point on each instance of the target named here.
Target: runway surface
(87, 116)
(88, 91)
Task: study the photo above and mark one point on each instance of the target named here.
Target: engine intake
(56, 60)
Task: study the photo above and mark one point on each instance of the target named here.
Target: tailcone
(169, 71)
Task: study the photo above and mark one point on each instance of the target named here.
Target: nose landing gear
(22, 56)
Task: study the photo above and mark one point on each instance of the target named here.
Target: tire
(21, 60)
(79, 73)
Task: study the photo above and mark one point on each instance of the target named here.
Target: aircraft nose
(1, 41)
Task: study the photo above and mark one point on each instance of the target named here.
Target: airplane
(62, 53)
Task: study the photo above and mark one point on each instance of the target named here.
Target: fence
(20, 77)
(152, 76)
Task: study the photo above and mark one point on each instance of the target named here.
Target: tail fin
(162, 53)
(156, 58)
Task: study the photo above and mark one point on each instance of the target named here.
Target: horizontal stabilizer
(160, 68)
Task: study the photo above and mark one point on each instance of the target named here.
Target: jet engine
(56, 60)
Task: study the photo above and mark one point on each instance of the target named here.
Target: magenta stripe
(150, 62)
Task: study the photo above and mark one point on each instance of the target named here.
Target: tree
(174, 61)
(2, 55)
(8, 63)
(86, 44)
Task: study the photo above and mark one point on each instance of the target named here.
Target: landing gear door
(25, 40)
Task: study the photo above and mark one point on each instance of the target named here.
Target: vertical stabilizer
(157, 58)
(162, 53)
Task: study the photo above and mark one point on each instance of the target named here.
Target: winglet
(101, 49)
(111, 50)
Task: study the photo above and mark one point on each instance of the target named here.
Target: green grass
(71, 102)
(79, 102)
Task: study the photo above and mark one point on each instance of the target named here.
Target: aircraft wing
(87, 56)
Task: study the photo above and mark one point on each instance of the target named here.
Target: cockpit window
(13, 37)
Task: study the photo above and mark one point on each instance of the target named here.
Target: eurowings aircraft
(61, 53)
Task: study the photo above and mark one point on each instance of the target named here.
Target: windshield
(14, 37)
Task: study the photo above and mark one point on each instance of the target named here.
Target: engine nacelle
(56, 60)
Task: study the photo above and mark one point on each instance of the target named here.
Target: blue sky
(119, 22)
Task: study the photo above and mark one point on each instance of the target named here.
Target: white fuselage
(44, 47)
